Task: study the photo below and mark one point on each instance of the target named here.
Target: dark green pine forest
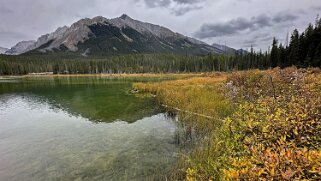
(304, 50)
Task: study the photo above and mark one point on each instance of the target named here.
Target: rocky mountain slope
(224, 48)
(21, 47)
(3, 50)
(102, 36)
(228, 50)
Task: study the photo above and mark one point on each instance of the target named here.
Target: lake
(82, 128)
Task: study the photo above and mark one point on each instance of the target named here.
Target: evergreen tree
(282, 56)
(294, 50)
(274, 53)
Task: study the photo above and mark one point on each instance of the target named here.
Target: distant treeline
(135, 63)
(304, 50)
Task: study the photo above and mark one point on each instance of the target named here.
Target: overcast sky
(238, 23)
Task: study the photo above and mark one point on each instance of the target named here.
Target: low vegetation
(251, 125)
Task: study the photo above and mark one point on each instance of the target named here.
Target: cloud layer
(176, 7)
(167, 3)
(238, 23)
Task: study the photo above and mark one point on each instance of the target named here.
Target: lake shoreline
(138, 75)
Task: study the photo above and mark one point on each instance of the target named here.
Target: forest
(133, 63)
(304, 50)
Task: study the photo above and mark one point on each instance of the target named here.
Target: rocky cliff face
(120, 35)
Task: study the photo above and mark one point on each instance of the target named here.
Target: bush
(273, 134)
(281, 135)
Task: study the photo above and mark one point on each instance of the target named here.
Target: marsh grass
(194, 97)
(201, 106)
(258, 124)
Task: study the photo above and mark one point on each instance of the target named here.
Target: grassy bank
(248, 125)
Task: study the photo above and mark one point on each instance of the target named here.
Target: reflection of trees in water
(186, 135)
(100, 99)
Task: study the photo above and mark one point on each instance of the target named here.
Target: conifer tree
(274, 53)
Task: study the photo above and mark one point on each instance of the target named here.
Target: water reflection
(39, 141)
(100, 99)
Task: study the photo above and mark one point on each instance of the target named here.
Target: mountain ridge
(228, 50)
(120, 35)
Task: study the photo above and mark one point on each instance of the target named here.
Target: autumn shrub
(278, 162)
(266, 124)
(280, 141)
(280, 134)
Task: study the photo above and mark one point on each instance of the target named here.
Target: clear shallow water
(42, 141)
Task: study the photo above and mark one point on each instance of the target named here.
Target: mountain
(3, 50)
(122, 35)
(21, 47)
(242, 51)
(228, 50)
(224, 48)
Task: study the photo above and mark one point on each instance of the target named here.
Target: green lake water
(82, 128)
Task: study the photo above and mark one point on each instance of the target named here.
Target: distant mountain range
(122, 35)
(226, 49)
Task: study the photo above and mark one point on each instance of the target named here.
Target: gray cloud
(316, 8)
(236, 26)
(167, 3)
(270, 38)
(261, 35)
(250, 42)
(10, 36)
(231, 27)
(188, 1)
(179, 7)
(5, 10)
(29, 19)
(157, 3)
(250, 45)
(245, 1)
(284, 17)
(257, 39)
(301, 11)
(183, 10)
(13, 35)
